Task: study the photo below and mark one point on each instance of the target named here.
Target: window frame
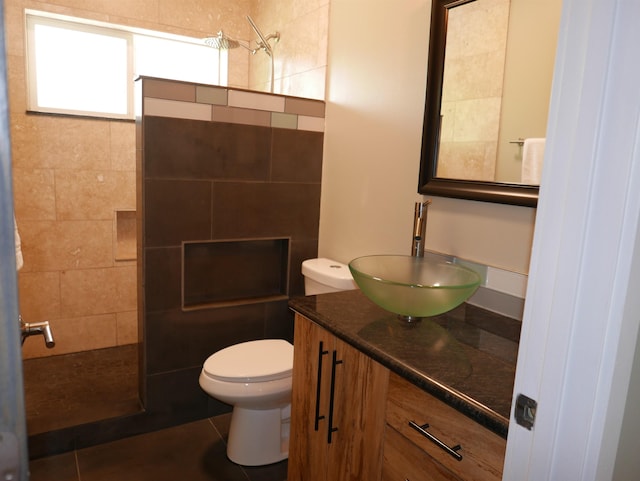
(34, 17)
(31, 20)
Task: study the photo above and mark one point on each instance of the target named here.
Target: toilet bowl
(255, 378)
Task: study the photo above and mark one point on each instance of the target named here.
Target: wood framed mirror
(484, 57)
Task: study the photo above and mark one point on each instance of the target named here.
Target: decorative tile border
(183, 100)
(176, 109)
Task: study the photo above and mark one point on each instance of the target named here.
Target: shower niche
(234, 272)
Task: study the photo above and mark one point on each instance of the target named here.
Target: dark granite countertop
(466, 357)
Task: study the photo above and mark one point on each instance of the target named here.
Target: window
(69, 61)
(163, 58)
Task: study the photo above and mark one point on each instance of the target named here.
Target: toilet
(325, 275)
(255, 378)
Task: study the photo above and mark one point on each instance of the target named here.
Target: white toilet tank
(326, 275)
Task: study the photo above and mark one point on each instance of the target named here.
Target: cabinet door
(308, 447)
(338, 403)
(358, 417)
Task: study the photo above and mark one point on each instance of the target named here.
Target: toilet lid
(264, 360)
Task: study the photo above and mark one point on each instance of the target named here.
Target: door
(13, 435)
(580, 327)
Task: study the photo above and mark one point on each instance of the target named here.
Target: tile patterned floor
(191, 452)
(72, 389)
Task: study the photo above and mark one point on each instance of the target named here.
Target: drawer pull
(423, 430)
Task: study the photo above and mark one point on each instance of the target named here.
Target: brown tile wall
(203, 180)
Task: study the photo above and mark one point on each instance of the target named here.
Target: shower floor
(73, 389)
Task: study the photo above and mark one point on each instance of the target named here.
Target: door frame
(12, 414)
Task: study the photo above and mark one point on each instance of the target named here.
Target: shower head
(221, 42)
(263, 43)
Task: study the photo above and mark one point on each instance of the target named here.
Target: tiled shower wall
(217, 164)
(300, 65)
(72, 174)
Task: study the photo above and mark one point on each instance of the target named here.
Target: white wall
(533, 36)
(376, 78)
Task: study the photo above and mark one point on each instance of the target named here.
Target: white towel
(19, 260)
(532, 158)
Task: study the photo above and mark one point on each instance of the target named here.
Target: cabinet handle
(423, 430)
(331, 429)
(321, 353)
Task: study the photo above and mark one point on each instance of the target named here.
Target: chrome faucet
(32, 328)
(419, 228)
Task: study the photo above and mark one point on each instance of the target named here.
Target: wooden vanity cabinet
(409, 455)
(338, 409)
(350, 420)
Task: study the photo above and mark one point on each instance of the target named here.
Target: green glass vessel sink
(414, 287)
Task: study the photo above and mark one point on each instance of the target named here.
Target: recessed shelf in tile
(234, 272)
(125, 235)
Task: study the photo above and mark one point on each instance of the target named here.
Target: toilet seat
(253, 361)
